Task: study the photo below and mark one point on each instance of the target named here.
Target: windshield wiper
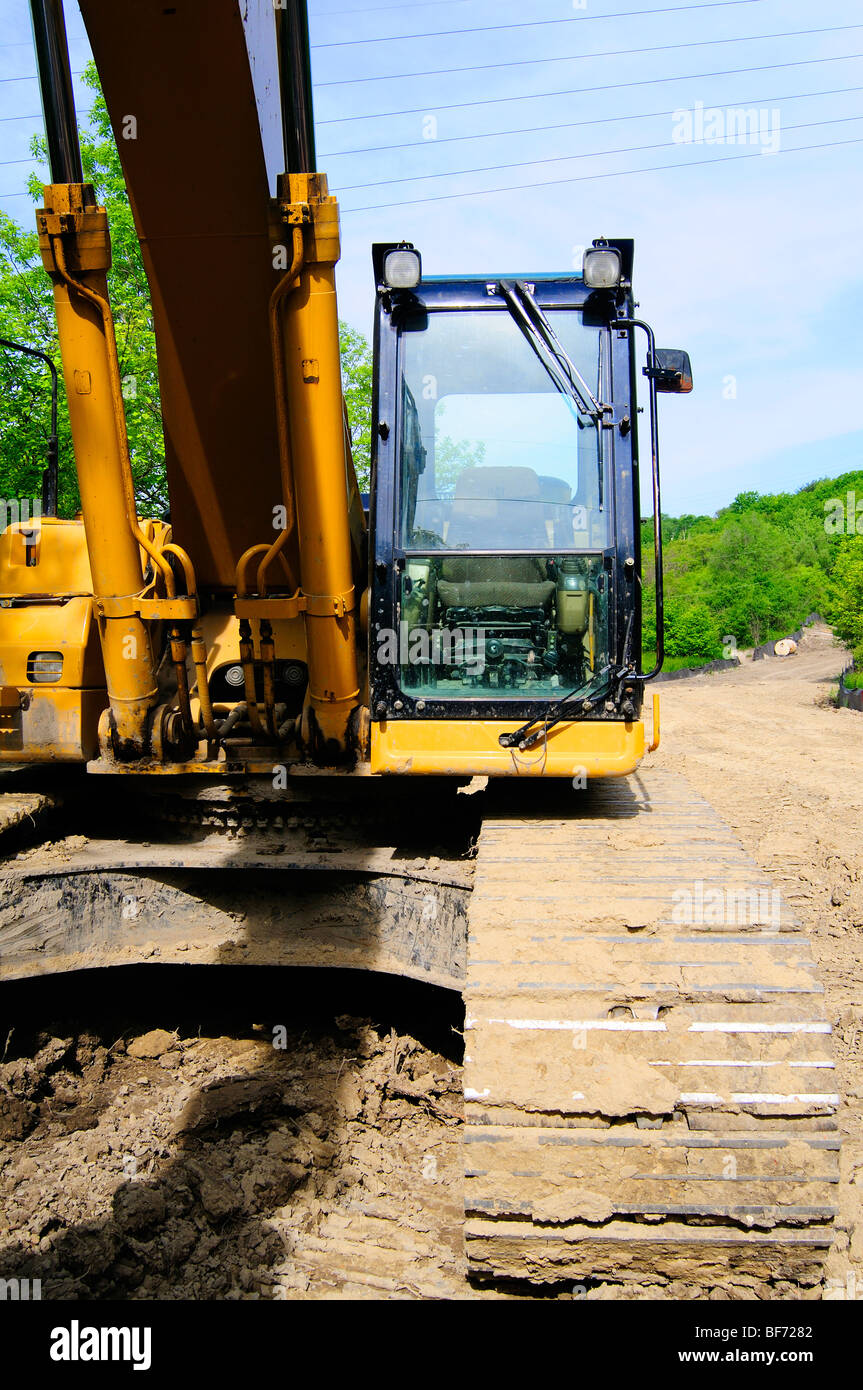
(574, 705)
(568, 708)
(549, 349)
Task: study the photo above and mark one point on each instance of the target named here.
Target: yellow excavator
(273, 707)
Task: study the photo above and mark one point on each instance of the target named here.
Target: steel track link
(648, 1085)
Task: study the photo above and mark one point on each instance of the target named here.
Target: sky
(500, 137)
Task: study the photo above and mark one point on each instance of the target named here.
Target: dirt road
(157, 1141)
(785, 770)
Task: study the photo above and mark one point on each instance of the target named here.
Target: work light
(44, 667)
(403, 268)
(602, 268)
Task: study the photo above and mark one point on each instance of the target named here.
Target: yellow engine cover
(46, 624)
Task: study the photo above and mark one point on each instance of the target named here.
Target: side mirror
(672, 372)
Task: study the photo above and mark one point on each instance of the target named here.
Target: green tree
(357, 386)
(453, 456)
(845, 601)
(765, 562)
(27, 315)
(690, 631)
(744, 502)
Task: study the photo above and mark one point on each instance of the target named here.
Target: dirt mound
(227, 1167)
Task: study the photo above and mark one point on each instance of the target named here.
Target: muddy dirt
(167, 1139)
(285, 1163)
(785, 769)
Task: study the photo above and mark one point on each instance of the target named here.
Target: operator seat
(496, 509)
(557, 497)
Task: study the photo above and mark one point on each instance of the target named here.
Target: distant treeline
(758, 568)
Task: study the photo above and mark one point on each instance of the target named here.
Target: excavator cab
(506, 519)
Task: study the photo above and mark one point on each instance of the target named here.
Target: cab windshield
(503, 510)
(494, 456)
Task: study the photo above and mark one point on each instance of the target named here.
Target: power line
(582, 91)
(535, 23)
(572, 125)
(28, 43)
(609, 53)
(34, 77)
(560, 158)
(527, 130)
(373, 9)
(38, 116)
(587, 178)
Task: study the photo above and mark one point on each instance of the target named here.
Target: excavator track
(321, 874)
(24, 813)
(648, 1078)
(20, 809)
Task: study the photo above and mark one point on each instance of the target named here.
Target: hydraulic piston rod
(76, 252)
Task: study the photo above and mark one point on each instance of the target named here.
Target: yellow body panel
(51, 722)
(221, 635)
(59, 569)
(56, 627)
(57, 554)
(470, 748)
(54, 725)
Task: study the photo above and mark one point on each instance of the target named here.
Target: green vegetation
(452, 456)
(356, 355)
(27, 316)
(846, 605)
(757, 569)
(672, 663)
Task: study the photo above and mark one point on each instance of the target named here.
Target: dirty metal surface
(214, 880)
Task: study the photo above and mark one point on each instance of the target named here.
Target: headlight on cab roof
(602, 267)
(403, 268)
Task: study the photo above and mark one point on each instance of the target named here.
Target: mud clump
(153, 1044)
